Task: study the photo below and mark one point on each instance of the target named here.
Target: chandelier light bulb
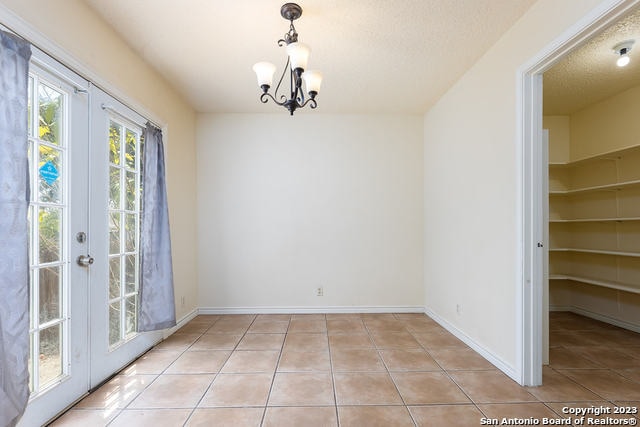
(312, 81)
(298, 55)
(623, 60)
(622, 51)
(264, 72)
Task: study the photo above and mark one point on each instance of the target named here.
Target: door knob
(85, 260)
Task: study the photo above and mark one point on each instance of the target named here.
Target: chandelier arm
(296, 82)
(312, 103)
(286, 67)
(300, 98)
(264, 99)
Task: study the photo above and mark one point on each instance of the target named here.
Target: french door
(114, 204)
(85, 173)
(59, 288)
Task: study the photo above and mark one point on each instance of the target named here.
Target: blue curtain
(157, 302)
(14, 203)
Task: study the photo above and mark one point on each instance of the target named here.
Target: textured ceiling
(589, 74)
(394, 56)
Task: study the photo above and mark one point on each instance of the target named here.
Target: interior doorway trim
(529, 153)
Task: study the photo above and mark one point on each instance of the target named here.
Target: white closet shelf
(615, 186)
(634, 218)
(611, 155)
(597, 251)
(597, 282)
(605, 188)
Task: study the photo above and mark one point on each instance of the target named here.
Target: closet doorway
(533, 299)
(591, 108)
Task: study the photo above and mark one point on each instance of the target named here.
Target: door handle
(85, 260)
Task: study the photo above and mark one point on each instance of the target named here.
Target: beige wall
(559, 138)
(471, 193)
(606, 126)
(287, 205)
(84, 36)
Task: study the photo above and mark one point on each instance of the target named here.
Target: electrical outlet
(458, 309)
(320, 291)
(182, 301)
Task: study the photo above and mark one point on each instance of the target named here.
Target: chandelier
(297, 58)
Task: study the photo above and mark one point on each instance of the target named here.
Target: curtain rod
(114, 110)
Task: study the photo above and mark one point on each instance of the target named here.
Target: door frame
(531, 291)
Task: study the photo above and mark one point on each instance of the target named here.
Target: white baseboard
(597, 316)
(492, 358)
(560, 308)
(180, 323)
(310, 310)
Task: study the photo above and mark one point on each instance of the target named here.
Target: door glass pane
(114, 187)
(114, 277)
(114, 322)
(49, 114)
(49, 295)
(114, 233)
(124, 203)
(131, 232)
(130, 152)
(48, 210)
(32, 365)
(115, 131)
(49, 170)
(50, 354)
(31, 180)
(131, 194)
(50, 229)
(130, 273)
(131, 318)
(30, 107)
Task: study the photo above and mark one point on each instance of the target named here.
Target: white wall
(289, 204)
(471, 240)
(85, 37)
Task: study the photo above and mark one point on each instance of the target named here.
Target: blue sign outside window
(49, 173)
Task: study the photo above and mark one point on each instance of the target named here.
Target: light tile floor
(355, 370)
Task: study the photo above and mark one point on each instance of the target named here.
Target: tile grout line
(275, 371)
(193, 410)
(406, 407)
(126, 407)
(448, 375)
(333, 379)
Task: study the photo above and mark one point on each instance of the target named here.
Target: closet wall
(594, 210)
